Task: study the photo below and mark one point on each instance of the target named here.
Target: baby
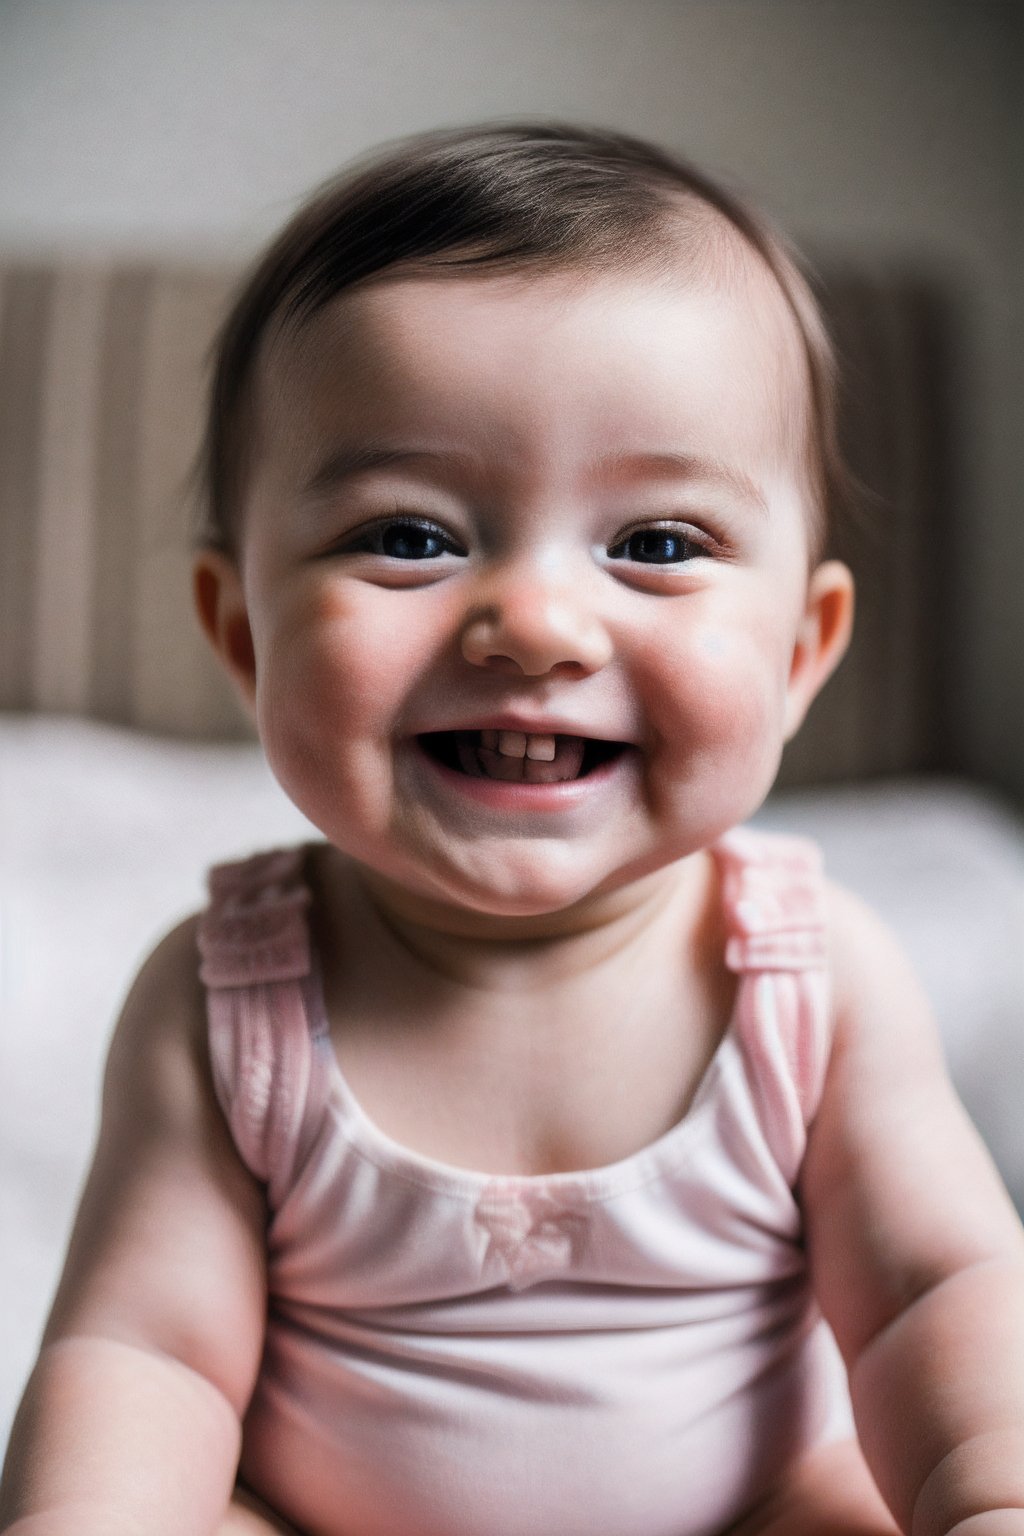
(511, 1162)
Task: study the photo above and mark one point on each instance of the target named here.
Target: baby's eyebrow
(344, 463)
(668, 464)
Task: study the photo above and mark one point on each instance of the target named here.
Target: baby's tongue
(489, 762)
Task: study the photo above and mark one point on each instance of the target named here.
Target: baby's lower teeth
(553, 770)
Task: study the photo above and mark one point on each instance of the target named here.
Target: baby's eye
(657, 546)
(404, 538)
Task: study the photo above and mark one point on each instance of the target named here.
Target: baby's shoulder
(781, 881)
(883, 1019)
(158, 1051)
(865, 954)
(166, 992)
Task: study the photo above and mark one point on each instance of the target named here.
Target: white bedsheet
(104, 838)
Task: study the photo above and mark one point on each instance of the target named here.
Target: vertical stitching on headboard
(24, 322)
(116, 493)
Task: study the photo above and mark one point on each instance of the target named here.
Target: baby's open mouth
(516, 757)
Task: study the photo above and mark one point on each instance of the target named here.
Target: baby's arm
(916, 1253)
(131, 1418)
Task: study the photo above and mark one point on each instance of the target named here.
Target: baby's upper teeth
(519, 744)
(541, 748)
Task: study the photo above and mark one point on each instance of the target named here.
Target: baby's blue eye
(411, 541)
(656, 546)
(405, 539)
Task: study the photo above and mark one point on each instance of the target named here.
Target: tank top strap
(773, 892)
(266, 1036)
(774, 897)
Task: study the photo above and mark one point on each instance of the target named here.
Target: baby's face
(526, 565)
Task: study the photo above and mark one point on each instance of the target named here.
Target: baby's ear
(821, 639)
(220, 604)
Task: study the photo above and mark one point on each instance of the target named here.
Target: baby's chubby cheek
(324, 703)
(718, 698)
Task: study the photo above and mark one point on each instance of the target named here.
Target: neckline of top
(744, 856)
(578, 1186)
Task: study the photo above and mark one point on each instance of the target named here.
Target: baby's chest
(507, 1098)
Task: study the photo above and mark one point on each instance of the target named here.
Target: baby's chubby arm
(131, 1418)
(916, 1254)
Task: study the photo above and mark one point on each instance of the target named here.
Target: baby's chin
(528, 899)
(492, 891)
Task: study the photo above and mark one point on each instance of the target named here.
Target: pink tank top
(629, 1350)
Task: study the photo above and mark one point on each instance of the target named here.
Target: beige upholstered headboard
(100, 405)
(101, 386)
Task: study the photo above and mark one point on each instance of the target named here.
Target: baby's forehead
(712, 363)
(708, 256)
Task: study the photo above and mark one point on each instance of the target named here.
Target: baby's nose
(534, 627)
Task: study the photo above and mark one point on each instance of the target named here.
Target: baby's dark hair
(507, 197)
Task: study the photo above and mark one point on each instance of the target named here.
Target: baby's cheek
(317, 654)
(721, 695)
(321, 690)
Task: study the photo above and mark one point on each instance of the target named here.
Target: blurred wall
(883, 132)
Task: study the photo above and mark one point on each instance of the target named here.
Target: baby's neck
(481, 951)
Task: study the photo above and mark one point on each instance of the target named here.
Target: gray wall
(888, 132)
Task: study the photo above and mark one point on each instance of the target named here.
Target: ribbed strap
(774, 901)
(255, 928)
(256, 962)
